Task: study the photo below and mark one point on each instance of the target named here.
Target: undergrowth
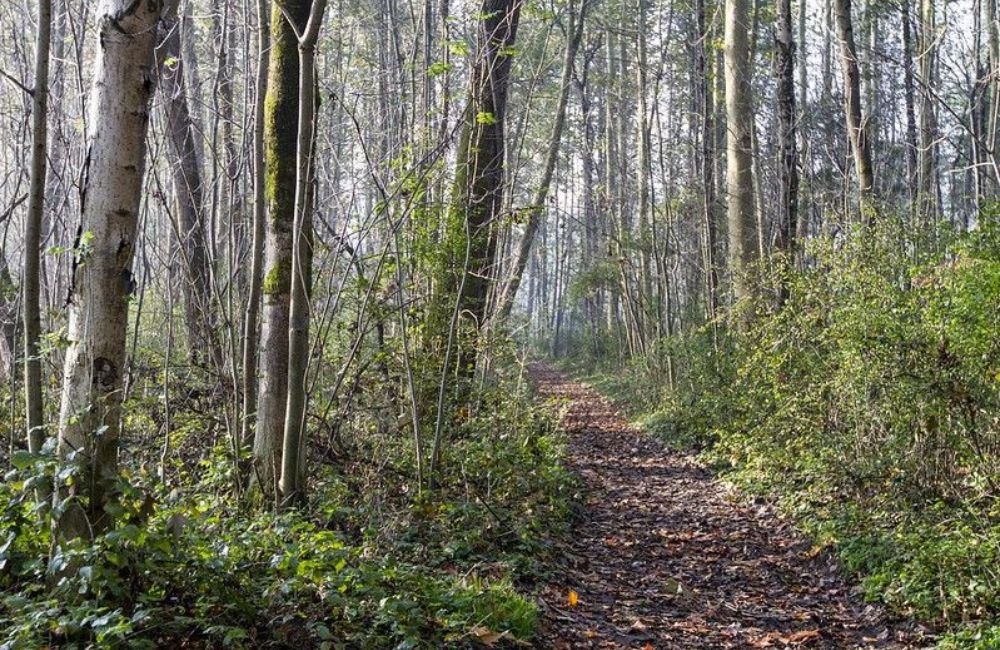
(370, 563)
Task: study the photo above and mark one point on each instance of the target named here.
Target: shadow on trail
(666, 557)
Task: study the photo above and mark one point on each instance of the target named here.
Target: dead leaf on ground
(489, 638)
(771, 639)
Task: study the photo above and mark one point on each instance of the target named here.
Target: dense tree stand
(269, 292)
(665, 555)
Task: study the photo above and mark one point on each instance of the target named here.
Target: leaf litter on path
(664, 556)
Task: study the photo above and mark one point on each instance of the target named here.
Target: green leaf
(484, 117)
(438, 68)
(22, 459)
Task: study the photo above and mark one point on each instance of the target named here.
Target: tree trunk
(8, 325)
(609, 203)
(32, 234)
(909, 96)
(477, 194)
(280, 147)
(927, 151)
(111, 186)
(593, 301)
(742, 230)
(857, 128)
(804, 128)
(250, 332)
(788, 157)
(993, 87)
(978, 109)
(645, 285)
(292, 482)
(706, 109)
(827, 61)
(186, 173)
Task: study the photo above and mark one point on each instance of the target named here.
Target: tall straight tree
(292, 481)
(978, 108)
(250, 332)
(909, 100)
(643, 172)
(739, 156)
(706, 159)
(992, 24)
(186, 174)
(477, 193)
(32, 232)
(8, 326)
(987, 43)
(281, 119)
(927, 151)
(788, 158)
(102, 281)
(857, 127)
(610, 190)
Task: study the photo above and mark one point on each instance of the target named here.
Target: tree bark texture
(102, 281)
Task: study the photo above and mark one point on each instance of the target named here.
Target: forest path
(665, 556)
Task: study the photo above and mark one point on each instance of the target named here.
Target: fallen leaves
(666, 557)
(490, 638)
(772, 639)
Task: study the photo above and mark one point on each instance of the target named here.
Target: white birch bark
(89, 420)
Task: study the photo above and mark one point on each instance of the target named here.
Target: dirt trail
(666, 557)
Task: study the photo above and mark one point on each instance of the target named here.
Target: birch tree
(118, 107)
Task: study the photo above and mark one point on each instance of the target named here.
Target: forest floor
(666, 556)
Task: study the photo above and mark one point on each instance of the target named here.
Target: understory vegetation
(271, 272)
(370, 563)
(868, 405)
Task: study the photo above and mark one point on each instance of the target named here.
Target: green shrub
(369, 564)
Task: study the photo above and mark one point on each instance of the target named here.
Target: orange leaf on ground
(765, 641)
(802, 636)
(573, 599)
(795, 638)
